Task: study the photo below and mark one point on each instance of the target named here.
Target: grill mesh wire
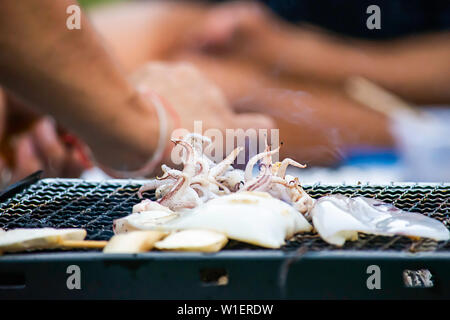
(70, 203)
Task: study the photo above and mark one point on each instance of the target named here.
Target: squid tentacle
(260, 183)
(196, 141)
(152, 185)
(285, 163)
(220, 168)
(248, 175)
(188, 161)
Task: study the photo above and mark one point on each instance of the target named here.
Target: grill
(69, 203)
(64, 203)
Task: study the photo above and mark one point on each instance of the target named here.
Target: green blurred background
(90, 3)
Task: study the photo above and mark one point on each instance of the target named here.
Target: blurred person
(264, 64)
(49, 70)
(295, 74)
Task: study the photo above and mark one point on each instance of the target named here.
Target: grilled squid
(202, 179)
(253, 217)
(338, 218)
(272, 178)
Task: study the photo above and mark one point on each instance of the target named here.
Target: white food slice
(133, 242)
(32, 239)
(253, 217)
(148, 205)
(338, 218)
(193, 240)
(145, 220)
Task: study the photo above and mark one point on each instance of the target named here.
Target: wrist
(158, 139)
(152, 127)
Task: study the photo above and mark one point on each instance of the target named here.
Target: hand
(234, 25)
(195, 98)
(251, 33)
(37, 146)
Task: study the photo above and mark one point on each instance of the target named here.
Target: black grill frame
(43, 203)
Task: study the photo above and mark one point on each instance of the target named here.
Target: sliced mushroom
(133, 242)
(34, 239)
(193, 240)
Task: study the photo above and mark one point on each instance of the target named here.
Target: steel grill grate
(67, 203)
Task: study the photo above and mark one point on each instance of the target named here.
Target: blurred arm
(418, 68)
(69, 74)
